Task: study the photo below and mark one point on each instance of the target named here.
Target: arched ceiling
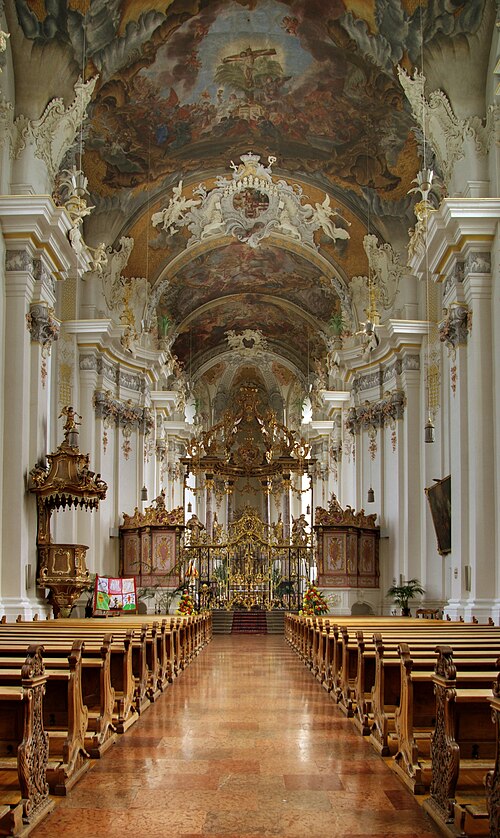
(187, 86)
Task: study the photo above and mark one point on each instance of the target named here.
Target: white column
(482, 508)
(411, 489)
(457, 382)
(18, 520)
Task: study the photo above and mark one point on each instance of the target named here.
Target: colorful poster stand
(114, 595)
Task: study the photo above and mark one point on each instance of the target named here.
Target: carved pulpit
(66, 481)
(150, 544)
(347, 547)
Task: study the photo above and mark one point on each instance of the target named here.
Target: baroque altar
(250, 565)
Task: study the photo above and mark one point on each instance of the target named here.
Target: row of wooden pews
(68, 689)
(427, 694)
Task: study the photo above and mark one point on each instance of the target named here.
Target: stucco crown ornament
(249, 341)
(250, 206)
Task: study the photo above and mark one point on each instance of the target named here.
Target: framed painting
(439, 498)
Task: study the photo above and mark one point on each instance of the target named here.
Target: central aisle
(244, 743)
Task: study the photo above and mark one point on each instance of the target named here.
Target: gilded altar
(250, 565)
(347, 547)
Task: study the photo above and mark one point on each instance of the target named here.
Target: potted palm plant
(402, 594)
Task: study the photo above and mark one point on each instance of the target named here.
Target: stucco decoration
(44, 329)
(54, 133)
(376, 414)
(250, 207)
(387, 270)
(112, 280)
(126, 297)
(250, 342)
(445, 132)
(454, 328)
(3, 42)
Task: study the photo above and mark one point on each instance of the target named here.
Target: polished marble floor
(244, 743)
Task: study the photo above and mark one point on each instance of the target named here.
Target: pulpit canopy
(67, 480)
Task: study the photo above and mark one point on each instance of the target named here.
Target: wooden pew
(65, 716)
(98, 694)
(387, 689)
(24, 748)
(463, 750)
(417, 713)
(127, 661)
(492, 779)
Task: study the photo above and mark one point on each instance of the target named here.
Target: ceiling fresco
(183, 82)
(285, 330)
(235, 268)
(187, 86)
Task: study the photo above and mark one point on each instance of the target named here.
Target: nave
(246, 744)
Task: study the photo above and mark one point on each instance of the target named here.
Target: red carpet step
(249, 622)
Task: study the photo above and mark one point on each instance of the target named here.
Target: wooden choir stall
(150, 545)
(347, 547)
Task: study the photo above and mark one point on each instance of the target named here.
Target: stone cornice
(35, 223)
(101, 337)
(458, 224)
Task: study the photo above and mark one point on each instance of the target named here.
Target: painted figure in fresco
(247, 58)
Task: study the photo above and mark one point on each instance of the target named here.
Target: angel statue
(173, 215)
(323, 214)
(71, 420)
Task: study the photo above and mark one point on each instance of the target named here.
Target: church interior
(250, 282)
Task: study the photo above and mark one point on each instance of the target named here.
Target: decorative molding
(250, 342)
(44, 329)
(114, 373)
(446, 133)
(454, 329)
(250, 207)
(378, 378)
(54, 133)
(20, 260)
(478, 262)
(126, 297)
(4, 36)
(453, 332)
(386, 268)
(122, 413)
(418, 235)
(376, 414)
(42, 325)
(125, 415)
(456, 277)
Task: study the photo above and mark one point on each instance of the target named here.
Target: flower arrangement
(314, 602)
(186, 604)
